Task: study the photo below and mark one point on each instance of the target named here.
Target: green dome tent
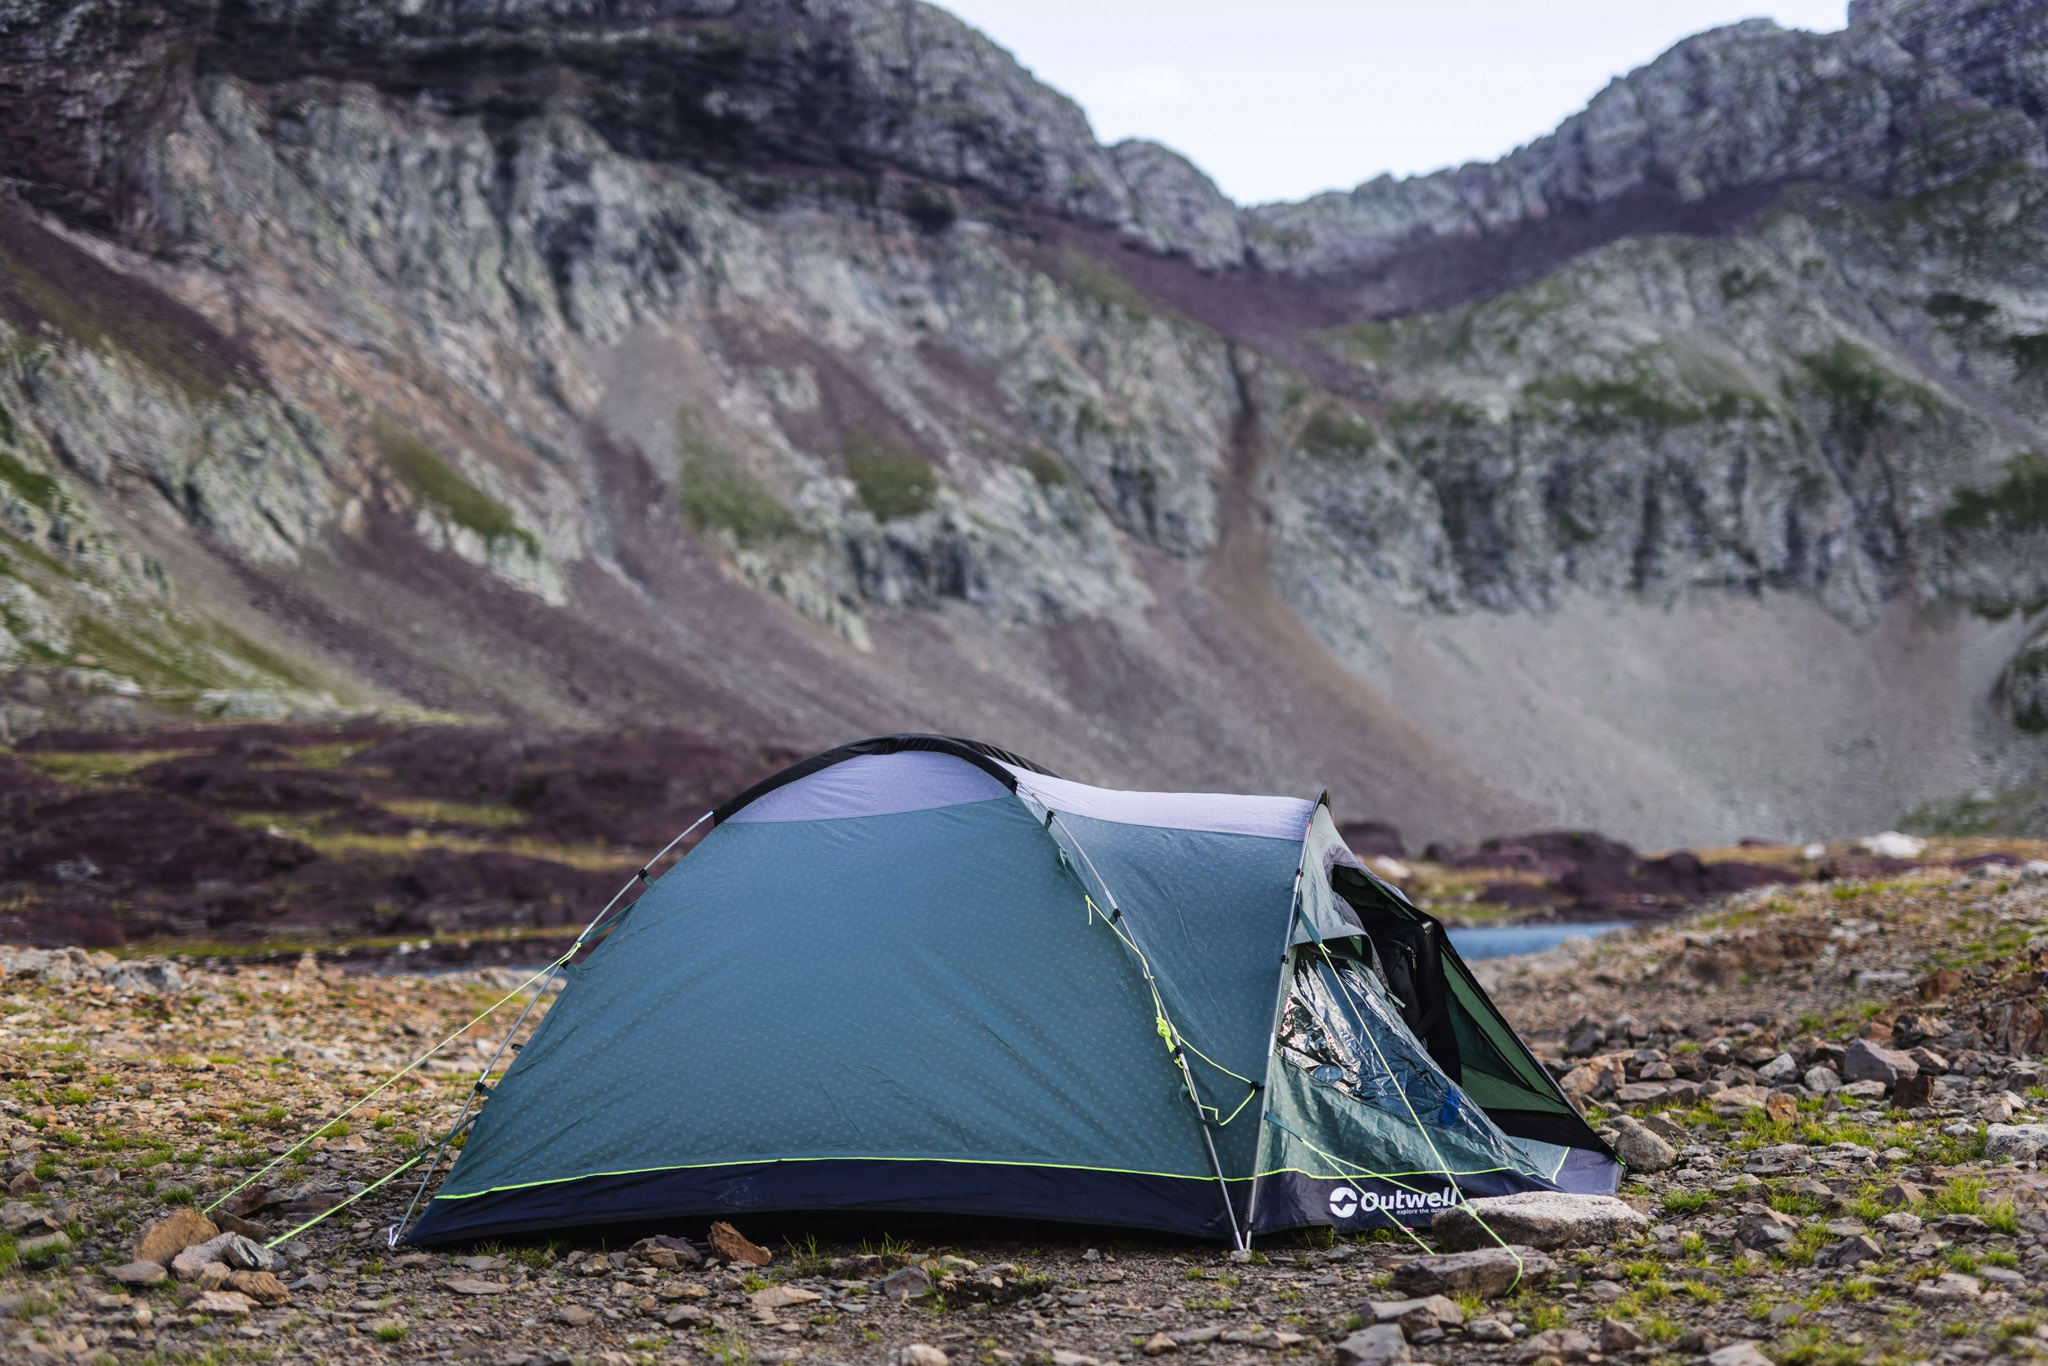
(920, 974)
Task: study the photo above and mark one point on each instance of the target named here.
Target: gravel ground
(1825, 1088)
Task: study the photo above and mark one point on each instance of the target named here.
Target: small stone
(1374, 1346)
(246, 1254)
(213, 1276)
(906, 1283)
(1489, 1330)
(1642, 1148)
(575, 1315)
(475, 1285)
(1765, 1229)
(919, 1354)
(1866, 1061)
(172, 1234)
(1901, 1194)
(1899, 1223)
(1821, 1080)
(1949, 1288)
(1849, 1252)
(1160, 1343)
(191, 1261)
(782, 1297)
(1862, 1090)
(1432, 1311)
(39, 1249)
(1616, 1336)
(1489, 1272)
(1738, 1354)
(140, 1273)
(729, 1243)
(1561, 1344)
(1541, 1219)
(259, 1286)
(678, 1315)
(1062, 1357)
(223, 1304)
(1913, 1092)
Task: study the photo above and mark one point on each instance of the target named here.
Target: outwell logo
(1345, 1202)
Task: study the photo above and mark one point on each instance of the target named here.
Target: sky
(1280, 99)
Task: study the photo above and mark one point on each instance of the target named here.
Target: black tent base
(846, 1193)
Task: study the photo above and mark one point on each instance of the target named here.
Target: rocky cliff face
(804, 367)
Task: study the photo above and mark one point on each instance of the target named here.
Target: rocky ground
(1828, 1092)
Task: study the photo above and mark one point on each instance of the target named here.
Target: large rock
(1492, 1271)
(172, 1234)
(1866, 1061)
(1543, 1219)
(1643, 1150)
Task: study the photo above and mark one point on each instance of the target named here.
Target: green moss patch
(1608, 405)
(1337, 434)
(718, 494)
(33, 485)
(1099, 284)
(1045, 467)
(892, 480)
(437, 484)
(2018, 503)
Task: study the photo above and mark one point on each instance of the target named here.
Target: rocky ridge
(814, 368)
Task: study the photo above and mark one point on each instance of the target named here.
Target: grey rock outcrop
(815, 366)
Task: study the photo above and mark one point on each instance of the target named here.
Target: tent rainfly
(921, 974)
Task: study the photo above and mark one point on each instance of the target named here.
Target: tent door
(1410, 956)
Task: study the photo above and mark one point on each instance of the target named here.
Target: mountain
(793, 369)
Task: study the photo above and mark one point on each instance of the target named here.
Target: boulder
(1641, 1148)
(1866, 1061)
(1541, 1219)
(2015, 1142)
(1374, 1346)
(172, 1234)
(1492, 1271)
